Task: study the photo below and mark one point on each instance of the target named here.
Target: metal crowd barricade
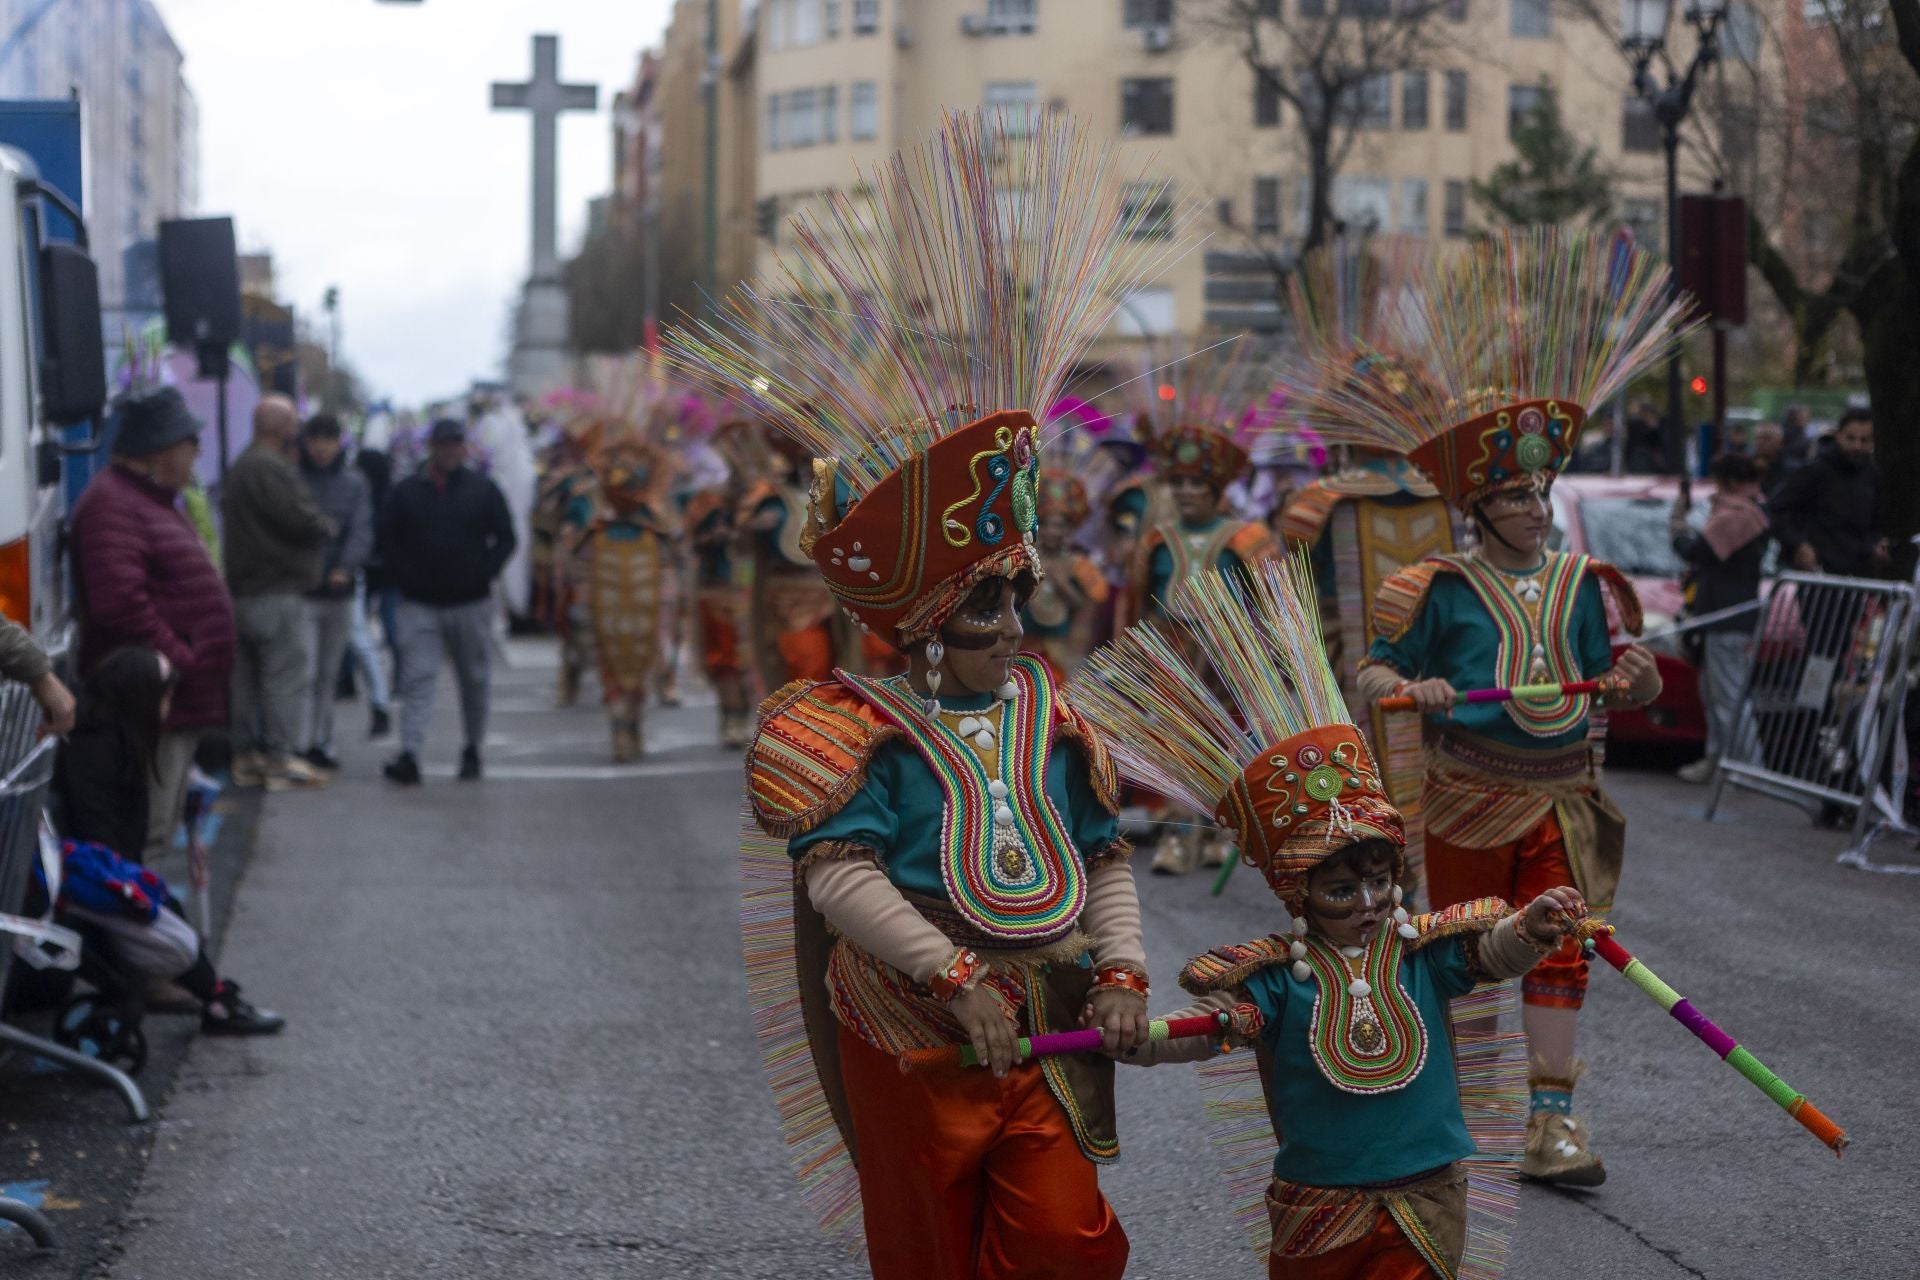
(26, 773)
(1823, 712)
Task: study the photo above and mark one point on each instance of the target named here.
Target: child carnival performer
(944, 865)
(1348, 1010)
(1059, 619)
(1196, 460)
(1496, 353)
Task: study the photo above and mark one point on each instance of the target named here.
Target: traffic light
(1698, 386)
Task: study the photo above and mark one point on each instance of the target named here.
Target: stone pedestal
(541, 360)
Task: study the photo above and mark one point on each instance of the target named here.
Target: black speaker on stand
(200, 281)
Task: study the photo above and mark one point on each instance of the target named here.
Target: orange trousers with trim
(720, 639)
(1385, 1254)
(1518, 872)
(965, 1177)
(807, 653)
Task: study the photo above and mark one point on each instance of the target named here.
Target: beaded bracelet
(1121, 977)
(956, 975)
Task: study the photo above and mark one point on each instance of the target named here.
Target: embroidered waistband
(1067, 945)
(1522, 765)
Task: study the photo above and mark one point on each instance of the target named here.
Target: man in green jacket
(275, 540)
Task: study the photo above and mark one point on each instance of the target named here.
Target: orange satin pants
(1385, 1254)
(1518, 872)
(720, 638)
(807, 652)
(965, 1177)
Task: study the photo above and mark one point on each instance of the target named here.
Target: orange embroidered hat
(1063, 494)
(1192, 449)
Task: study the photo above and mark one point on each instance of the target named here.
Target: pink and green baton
(1053, 1043)
(1793, 1103)
(1465, 697)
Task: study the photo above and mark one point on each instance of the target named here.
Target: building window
(1413, 100)
(803, 120)
(1267, 9)
(1146, 105)
(1373, 101)
(866, 17)
(1017, 101)
(1455, 213)
(863, 111)
(776, 107)
(1639, 128)
(1413, 206)
(1366, 8)
(1456, 10)
(1146, 313)
(1456, 107)
(1740, 37)
(1005, 17)
(1146, 13)
(1266, 98)
(1313, 101)
(1530, 19)
(1522, 101)
(1147, 209)
(1266, 206)
(1313, 8)
(803, 22)
(831, 9)
(830, 113)
(1363, 203)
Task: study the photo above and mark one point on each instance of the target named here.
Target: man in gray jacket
(341, 494)
(276, 540)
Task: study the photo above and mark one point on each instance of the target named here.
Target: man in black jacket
(1830, 515)
(445, 534)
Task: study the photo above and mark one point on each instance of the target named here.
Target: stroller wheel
(90, 1026)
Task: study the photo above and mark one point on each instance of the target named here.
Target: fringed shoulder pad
(1102, 775)
(1306, 516)
(1403, 593)
(1626, 601)
(1474, 916)
(1253, 542)
(810, 754)
(1224, 968)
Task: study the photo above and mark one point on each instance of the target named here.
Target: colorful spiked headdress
(1483, 368)
(1277, 759)
(1192, 408)
(928, 315)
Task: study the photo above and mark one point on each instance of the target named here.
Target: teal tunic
(1454, 638)
(1332, 1138)
(628, 528)
(1160, 564)
(897, 811)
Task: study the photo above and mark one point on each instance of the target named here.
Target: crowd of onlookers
(204, 643)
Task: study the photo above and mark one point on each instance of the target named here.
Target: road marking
(593, 772)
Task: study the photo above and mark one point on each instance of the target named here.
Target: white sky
(354, 141)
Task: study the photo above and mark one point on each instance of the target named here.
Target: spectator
(23, 661)
(1724, 558)
(143, 577)
(340, 493)
(100, 794)
(445, 534)
(374, 594)
(1646, 449)
(1795, 443)
(1769, 455)
(1830, 515)
(276, 538)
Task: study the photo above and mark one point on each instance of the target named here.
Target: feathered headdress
(927, 316)
(1195, 408)
(1278, 759)
(1483, 368)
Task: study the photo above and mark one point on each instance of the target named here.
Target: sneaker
(227, 1014)
(403, 769)
(469, 764)
(1557, 1152)
(295, 774)
(382, 723)
(322, 759)
(249, 769)
(1175, 854)
(1700, 771)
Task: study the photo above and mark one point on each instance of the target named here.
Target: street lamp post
(1643, 36)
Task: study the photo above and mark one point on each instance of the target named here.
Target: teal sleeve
(580, 511)
(1590, 636)
(1447, 962)
(1132, 503)
(1091, 826)
(1410, 654)
(1159, 574)
(1268, 991)
(866, 819)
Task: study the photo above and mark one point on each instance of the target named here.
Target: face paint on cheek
(969, 640)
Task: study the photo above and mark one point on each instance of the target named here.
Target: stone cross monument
(539, 360)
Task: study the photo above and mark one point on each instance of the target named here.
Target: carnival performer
(719, 602)
(565, 490)
(1496, 353)
(626, 538)
(795, 633)
(1059, 619)
(1352, 1006)
(961, 878)
(1194, 453)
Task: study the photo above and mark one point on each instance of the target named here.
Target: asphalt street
(519, 1044)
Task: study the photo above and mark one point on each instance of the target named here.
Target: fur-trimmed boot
(1175, 854)
(1558, 1149)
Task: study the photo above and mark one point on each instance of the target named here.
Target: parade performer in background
(568, 478)
(1496, 354)
(1192, 445)
(1378, 1129)
(626, 538)
(940, 861)
(795, 633)
(1059, 619)
(719, 602)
